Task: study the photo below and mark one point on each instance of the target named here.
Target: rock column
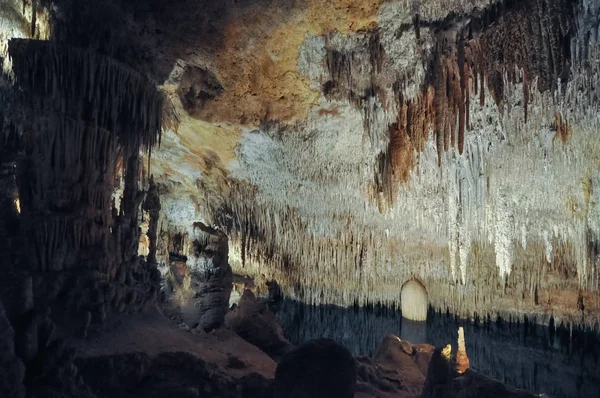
(85, 111)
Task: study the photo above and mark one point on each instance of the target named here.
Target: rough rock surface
(367, 144)
(252, 320)
(211, 278)
(444, 382)
(373, 142)
(318, 368)
(172, 374)
(200, 282)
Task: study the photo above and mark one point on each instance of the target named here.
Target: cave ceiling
(347, 146)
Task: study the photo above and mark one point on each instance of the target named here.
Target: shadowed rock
(255, 323)
(318, 369)
(443, 381)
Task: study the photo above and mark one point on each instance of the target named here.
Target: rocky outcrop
(443, 381)
(252, 320)
(168, 375)
(151, 205)
(400, 357)
(199, 283)
(318, 368)
(35, 362)
(211, 276)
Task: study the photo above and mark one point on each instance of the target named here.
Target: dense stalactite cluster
(83, 112)
(91, 87)
(474, 192)
(508, 43)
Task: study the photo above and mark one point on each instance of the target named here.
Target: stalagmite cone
(462, 360)
(413, 301)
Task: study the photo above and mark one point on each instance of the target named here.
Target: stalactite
(66, 79)
(463, 84)
(83, 112)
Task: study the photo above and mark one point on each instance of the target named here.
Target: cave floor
(152, 334)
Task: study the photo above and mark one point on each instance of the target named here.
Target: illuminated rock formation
(462, 360)
(200, 278)
(413, 301)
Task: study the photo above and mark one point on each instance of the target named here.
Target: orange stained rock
(563, 129)
(257, 61)
(462, 360)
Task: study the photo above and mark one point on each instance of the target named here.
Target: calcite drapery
(371, 189)
(84, 111)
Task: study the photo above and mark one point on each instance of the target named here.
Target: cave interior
(299, 198)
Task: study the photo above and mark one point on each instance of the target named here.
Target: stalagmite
(413, 301)
(462, 360)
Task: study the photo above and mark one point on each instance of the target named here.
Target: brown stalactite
(463, 84)
(530, 36)
(562, 128)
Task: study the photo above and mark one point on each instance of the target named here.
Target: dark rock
(26, 292)
(235, 362)
(85, 323)
(171, 374)
(255, 323)
(374, 378)
(317, 368)
(392, 355)
(27, 339)
(443, 381)
(12, 371)
(475, 385)
(422, 359)
(440, 373)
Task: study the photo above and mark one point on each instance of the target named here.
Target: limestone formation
(462, 360)
(252, 321)
(73, 137)
(413, 301)
(331, 150)
(200, 282)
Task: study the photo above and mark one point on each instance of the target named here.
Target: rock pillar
(84, 113)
